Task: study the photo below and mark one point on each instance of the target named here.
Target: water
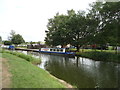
(81, 72)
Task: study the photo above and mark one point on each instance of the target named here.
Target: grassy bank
(21, 55)
(101, 56)
(27, 75)
(89, 50)
(24, 47)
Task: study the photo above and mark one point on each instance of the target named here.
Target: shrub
(26, 57)
(101, 56)
(7, 43)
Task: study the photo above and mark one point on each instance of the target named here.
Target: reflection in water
(81, 72)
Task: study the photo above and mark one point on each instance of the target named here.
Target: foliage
(12, 33)
(99, 26)
(7, 43)
(56, 34)
(80, 29)
(107, 14)
(0, 39)
(26, 57)
(101, 56)
(17, 39)
(73, 28)
(111, 20)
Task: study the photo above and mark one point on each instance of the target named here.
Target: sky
(30, 17)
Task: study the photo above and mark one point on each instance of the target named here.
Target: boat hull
(66, 54)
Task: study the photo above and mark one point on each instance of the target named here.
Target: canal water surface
(81, 72)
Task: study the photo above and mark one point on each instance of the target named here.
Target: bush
(26, 57)
(7, 43)
(101, 56)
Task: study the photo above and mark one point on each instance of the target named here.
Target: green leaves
(99, 26)
(7, 42)
(17, 39)
(56, 34)
(72, 28)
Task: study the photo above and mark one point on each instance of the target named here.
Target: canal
(81, 72)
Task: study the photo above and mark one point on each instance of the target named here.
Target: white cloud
(30, 17)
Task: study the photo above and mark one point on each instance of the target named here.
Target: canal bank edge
(97, 55)
(62, 81)
(67, 85)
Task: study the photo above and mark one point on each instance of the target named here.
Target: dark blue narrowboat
(57, 51)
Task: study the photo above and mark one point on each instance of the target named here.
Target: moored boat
(57, 51)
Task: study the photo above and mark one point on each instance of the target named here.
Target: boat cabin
(54, 49)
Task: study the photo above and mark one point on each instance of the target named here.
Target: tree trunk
(101, 48)
(82, 49)
(78, 47)
(116, 49)
(62, 46)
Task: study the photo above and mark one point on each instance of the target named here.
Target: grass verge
(29, 58)
(27, 75)
(101, 56)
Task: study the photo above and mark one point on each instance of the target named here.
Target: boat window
(61, 50)
(50, 49)
(53, 49)
(58, 50)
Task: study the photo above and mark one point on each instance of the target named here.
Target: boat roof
(55, 48)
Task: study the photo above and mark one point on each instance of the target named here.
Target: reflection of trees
(66, 70)
(77, 61)
(119, 76)
(83, 72)
(107, 73)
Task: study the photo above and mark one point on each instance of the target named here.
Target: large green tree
(100, 26)
(56, 34)
(12, 33)
(81, 32)
(17, 39)
(0, 39)
(108, 15)
(73, 28)
(111, 21)
(7, 43)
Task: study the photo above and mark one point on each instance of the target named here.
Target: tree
(7, 43)
(111, 21)
(17, 39)
(80, 30)
(100, 26)
(56, 34)
(107, 30)
(12, 33)
(0, 39)
(71, 29)
(96, 17)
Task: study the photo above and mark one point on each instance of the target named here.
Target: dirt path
(5, 73)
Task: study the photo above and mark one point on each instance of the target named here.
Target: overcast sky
(30, 17)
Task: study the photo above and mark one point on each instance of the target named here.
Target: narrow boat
(57, 51)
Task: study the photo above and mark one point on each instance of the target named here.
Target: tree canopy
(17, 39)
(7, 43)
(56, 34)
(108, 16)
(0, 39)
(99, 26)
